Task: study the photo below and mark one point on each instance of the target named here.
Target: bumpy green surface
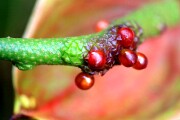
(26, 53)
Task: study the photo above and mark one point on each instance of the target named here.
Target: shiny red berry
(141, 62)
(127, 36)
(101, 25)
(96, 59)
(127, 57)
(84, 81)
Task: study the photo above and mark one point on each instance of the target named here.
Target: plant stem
(154, 18)
(26, 53)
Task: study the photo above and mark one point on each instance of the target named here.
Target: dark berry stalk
(26, 53)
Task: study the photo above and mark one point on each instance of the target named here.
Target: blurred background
(122, 93)
(14, 15)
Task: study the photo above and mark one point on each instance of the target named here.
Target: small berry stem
(26, 53)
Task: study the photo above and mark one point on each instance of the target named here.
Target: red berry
(141, 62)
(96, 59)
(84, 81)
(127, 36)
(127, 57)
(101, 25)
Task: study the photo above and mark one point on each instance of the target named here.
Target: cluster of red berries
(124, 53)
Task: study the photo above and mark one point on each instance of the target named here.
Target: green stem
(155, 17)
(26, 53)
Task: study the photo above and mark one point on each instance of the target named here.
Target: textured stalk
(26, 53)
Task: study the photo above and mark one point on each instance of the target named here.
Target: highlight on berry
(84, 81)
(101, 25)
